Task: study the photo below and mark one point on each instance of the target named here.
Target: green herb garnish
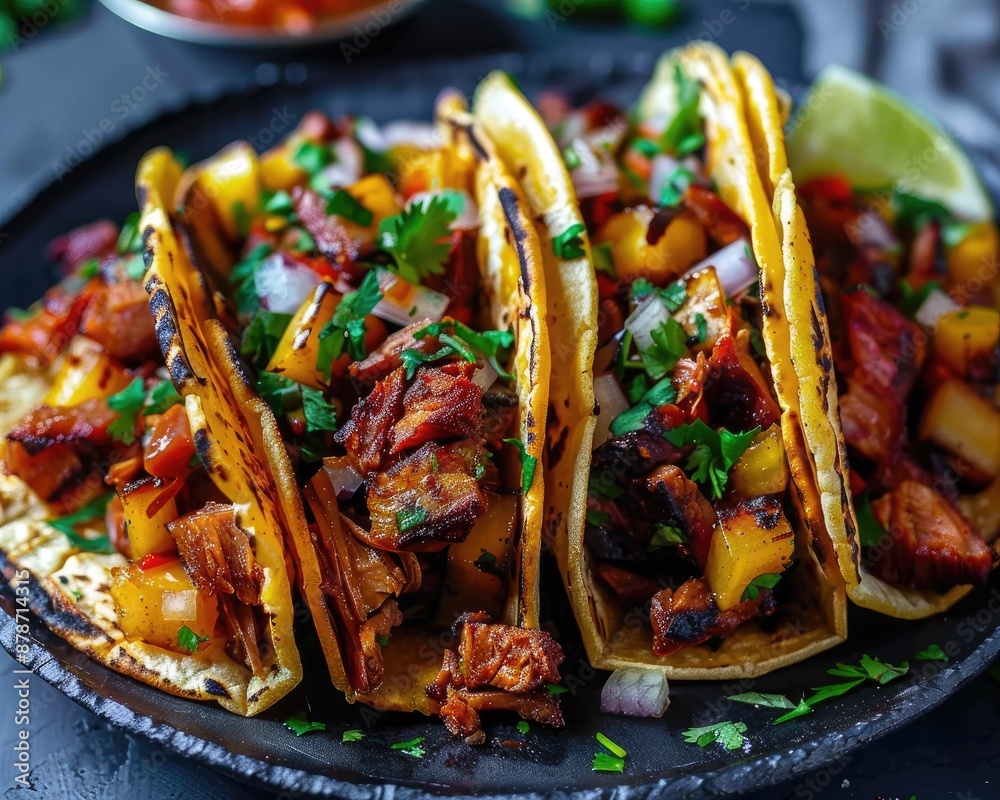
(128, 403)
(188, 640)
(300, 725)
(569, 243)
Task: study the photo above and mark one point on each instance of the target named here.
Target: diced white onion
(735, 266)
(403, 302)
(612, 402)
(423, 135)
(283, 284)
(345, 479)
(180, 605)
(694, 165)
(647, 317)
(485, 376)
(468, 220)
(348, 165)
(636, 692)
(596, 173)
(662, 168)
(572, 127)
(935, 306)
(871, 230)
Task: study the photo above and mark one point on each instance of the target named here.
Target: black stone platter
(551, 764)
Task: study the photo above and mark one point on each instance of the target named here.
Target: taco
(678, 490)
(385, 290)
(121, 505)
(910, 290)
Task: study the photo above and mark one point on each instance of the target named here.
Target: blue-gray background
(59, 85)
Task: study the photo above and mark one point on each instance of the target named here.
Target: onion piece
(735, 266)
(345, 479)
(871, 230)
(468, 220)
(485, 376)
(935, 306)
(422, 135)
(661, 169)
(612, 402)
(348, 165)
(647, 317)
(595, 175)
(180, 605)
(283, 284)
(636, 692)
(403, 302)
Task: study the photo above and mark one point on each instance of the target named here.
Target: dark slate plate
(552, 764)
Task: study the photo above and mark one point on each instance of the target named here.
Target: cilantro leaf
(94, 510)
(411, 747)
(300, 725)
(528, 464)
(523, 727)
(280, 393)
(684, 134)
(569, 243)
(135, 266)
(912, 298)
(313, 156)
(604, 259)
(760, 699)
(701, 325)
(824, 693)
(262, 334)
(411, 359)
(728, 734)
(714, 453)
(595, 517)
(766, 581)
(417, 238)
(162, 397)
(914, 212)
(931, 653)
(280, 204)
(90, 268)
(870, 530)
(882, 673)
(128, 403)
(669, 346)
(408, 518)
(188, 640)
(490, 344)
(673, 295)
(130, 237)
(344, 204)
(320, 415)
(801, 710)
(557, 689)
(243, 278)
(674, 187)
(346, 329)
(354, 735)
(666, 536)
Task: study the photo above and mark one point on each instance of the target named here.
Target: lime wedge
(851, 125)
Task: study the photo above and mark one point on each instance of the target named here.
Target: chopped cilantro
(912, 299)
(241, 218)
(701, 324)
(760, 699)
(76, 594)
(188, 640)
(766, 581)
(300, 725)
(870, 530)
(354, 735)
(90, 268)
(569, 243)
(714, 453)
(528, 464)
(319, 414)
(243, 278)
(595, 517)
(130, 238)
(631, 419)
(914, 212)
(603, 762)
(571, 158)
(666, 536)
(728, 734)
(346, 329)
(128, 403)
(280, 203)
(674, 187)
(674, 295)
(523, 727)
(684, 133)
(344, 204)
(823, 693)
(801, 710)
(489, 344)
(931, 653)
(557, 689)
(646, 147)
(313, 156)
(262, 334)
(417, 238)
(280, 393)
(603, 259)
(409, 518)
(411, 359)
(135, 266)
(411, 747)
(94, 510)
(162, 397)
(872, 669)
(668, 347)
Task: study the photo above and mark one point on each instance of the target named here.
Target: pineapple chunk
(753, 538)
(153, 604)
(965, 424)
(763, 468)
(147, 534)
(86, 372)
(969, 261)
(296, 354)
(377, 194)
(967, 337)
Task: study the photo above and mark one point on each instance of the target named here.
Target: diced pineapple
(680, 247)
(296, 354)
(466, 586)
(763, 468)
(752, 539)
(231, 180)
(278, 169)
(973, 259)
(961, 421)
(153, 604)
(983, 511)
(967, 337)
(86, 372)
(377, 194)
(147, 534)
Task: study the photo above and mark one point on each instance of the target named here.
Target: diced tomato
(171, 447)
(119, 320)
(45, 335)
(154, 560)
(607, 287)
(858, 484)
(639, 164)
